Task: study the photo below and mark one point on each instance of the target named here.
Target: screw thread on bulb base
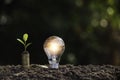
(54, 65)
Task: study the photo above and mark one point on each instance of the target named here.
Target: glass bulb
(54, 47)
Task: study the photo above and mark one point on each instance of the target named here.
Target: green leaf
(21, 41)
(25, 37)
(28, 45)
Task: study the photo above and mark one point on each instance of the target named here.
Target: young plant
(24, 41)
(25, 54)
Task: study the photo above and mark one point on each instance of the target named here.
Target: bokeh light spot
(110, 11)
(3, 20)
(103, 23)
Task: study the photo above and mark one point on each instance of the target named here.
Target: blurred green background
(90, 29)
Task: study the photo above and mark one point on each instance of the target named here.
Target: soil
(65, 72)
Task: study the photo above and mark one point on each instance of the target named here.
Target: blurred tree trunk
(116, 57)
(115, 46)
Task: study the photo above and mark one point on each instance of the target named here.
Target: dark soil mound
(65, 72)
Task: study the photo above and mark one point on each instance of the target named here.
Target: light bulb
(54, 47)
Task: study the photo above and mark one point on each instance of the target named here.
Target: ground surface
(65, 72)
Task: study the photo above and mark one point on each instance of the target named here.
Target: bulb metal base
(55, 65)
